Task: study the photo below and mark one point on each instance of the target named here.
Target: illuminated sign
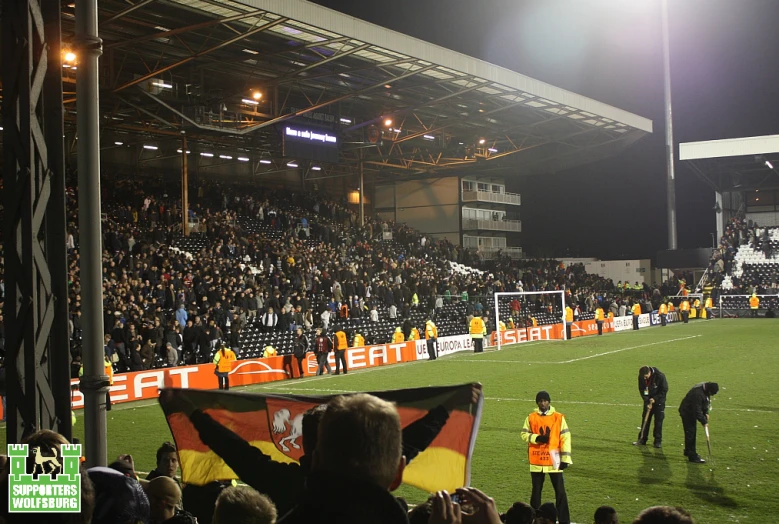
(311, 135)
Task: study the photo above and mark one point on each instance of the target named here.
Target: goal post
(548, 306)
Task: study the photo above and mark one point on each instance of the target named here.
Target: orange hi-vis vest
(109, 370)
(397, 337)
(754, 302)
(224, 363)
(599, 314)
(431, 331)
(662, 310)
(342, 344)
(568, 314)
(685, 305)
(414, 335)
(671, 308)
(358, 341)
(538, 454)
(477, 327)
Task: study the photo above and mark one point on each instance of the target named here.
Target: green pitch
(592, 381)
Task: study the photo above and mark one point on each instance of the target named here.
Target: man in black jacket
(299, 350)
(653, 387)
(284, 483)
(695, 408)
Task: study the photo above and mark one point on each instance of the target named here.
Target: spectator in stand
(242, 504)
(359, 450)
(167, 463)
(664, 515)
(606, 515)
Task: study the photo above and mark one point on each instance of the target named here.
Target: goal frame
(499, 294)
(722, 309)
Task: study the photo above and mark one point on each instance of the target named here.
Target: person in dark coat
(695, 408)
(300, 349)
(653, 387)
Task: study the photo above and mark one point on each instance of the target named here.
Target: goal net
(525, 311)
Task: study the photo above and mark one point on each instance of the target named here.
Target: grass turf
(591, 380)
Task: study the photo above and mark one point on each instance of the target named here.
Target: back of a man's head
(664, 515)
(360, 437)
(606, 515)
(243, 505)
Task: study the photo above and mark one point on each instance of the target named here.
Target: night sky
(725, 81)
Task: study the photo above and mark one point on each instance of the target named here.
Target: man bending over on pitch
(695, 408)
(653, 387)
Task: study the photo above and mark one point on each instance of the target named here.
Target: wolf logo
(280, 422)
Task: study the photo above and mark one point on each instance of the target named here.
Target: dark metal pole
(184, 187)
(669, 132)
(56, 218)
(94, 383)
(362, 190)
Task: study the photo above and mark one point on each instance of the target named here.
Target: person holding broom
(653, 387)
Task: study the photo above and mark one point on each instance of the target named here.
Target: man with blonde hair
(359, 449)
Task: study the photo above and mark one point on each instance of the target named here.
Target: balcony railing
(514, 226)
(494, 198)
(490, 253)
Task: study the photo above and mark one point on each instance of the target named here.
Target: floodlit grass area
(593, 381)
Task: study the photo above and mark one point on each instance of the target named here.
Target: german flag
(273, 424)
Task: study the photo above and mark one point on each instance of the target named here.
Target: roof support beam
(127, 11)
(200, 54)
(187, 29)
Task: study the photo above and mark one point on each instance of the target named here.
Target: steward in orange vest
(662, 311)
(754, 303)
(340, 351)
(549, 451)
(223, 360)
(684, 307)
(599, 318)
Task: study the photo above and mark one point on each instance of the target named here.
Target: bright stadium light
(428, 137)
(316, 168)
(291, 164)
(115, 143)
(243, 158)
(387, 122)
(179, 151)
(70, 56)
(265, 161)
(250, 102)
(492, 150)
(148, 146)
(482, 141)
(209, 155)
(256, 95)
(769, 164)
(163, 85)
(226, 157)
(345, 121)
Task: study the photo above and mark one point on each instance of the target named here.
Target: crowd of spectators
(281, 260)
(359, 447)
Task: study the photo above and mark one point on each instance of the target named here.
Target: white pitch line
(576, 359)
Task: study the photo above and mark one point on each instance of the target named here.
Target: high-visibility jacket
(414, 300)
(358, 341)
(754, 302)
(540, 455)
(341, 342)
(662, 310)
(708, 304)
(534, 321)
(397, 336)
(511, 323)
(696, 304)
(269, 351)
(502, 325)
(671, 307)
(685, 305)
(568, 314)
(224, 362)
(477, 327)
(636, 309)
(599, 314)
(414, 335)
(109, 370)
(430, 330)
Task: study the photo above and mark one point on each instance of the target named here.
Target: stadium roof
(173, 65)
(735, 164)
